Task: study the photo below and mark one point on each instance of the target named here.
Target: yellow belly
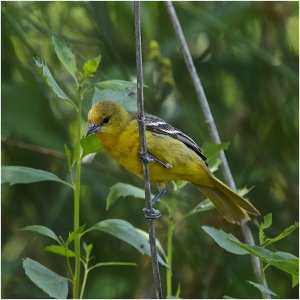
(185, 163)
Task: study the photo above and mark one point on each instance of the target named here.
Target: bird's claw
(145, 157)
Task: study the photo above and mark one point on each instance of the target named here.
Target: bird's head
(106, 116)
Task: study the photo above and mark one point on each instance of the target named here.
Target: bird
(173, 155)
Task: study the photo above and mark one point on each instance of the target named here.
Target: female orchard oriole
(176, 156)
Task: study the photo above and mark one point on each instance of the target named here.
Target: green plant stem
(85, 275)
(77, 200)
(68, 263)
(170, 245)
(262, 277)
(169, 257)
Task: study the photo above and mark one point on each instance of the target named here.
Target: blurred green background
(246, 54)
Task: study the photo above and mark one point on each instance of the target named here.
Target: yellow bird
(175, 155)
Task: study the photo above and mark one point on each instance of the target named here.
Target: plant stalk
(262, 278)
(169, 256)
(76, 282)
(86, 272)
(211, 125)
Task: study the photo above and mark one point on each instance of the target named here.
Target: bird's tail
(232, 207)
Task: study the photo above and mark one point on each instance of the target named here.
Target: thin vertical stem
(85, 275)
(143, 145)
(169, 257)
(170, 245)
(76, 281)
(211, 124)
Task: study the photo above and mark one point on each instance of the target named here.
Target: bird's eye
(106, 120)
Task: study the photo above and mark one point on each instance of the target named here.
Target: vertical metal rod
(143, 145)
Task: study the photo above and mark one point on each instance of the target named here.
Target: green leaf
(60, 250)
(123, 190)
(109, 264)
(127, 233)
(295, 280)
(69, 157)
(178, 292)
(121, 91)
(266, 224)
(204, 205)
(262, 288)
(90, 144)
(282, 235)
(19, 175)
(281, 260)
(91, 66)
(66, 56)
(158, 243)
(221, 238)
(212, 152)
(43, 231)
(88, 250)
(51, 283)
(74, 234)
(49, 79)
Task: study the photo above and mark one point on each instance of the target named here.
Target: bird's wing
(159, 126)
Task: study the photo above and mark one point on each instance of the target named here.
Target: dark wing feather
(159, 126)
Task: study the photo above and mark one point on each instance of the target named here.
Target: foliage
(53, 284)
(247, 56)
(282, 260)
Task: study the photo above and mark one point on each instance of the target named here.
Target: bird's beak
(92, 129)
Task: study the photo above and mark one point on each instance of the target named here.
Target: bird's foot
(147, 158)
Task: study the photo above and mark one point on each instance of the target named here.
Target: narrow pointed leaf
(51, 283)
(49, 79)
(127, 233)
(221, 238)
(158, 243)
(119, 190)
(282, 260)
(19, 175)
(204, 205)
(91, 66)
(74, 234)
(43, 231)
(88, 250)
(282, 235)
(65, 55)
(60, 250)
(266, 224)
(295, 280)
(262, 288)
(109, 264)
